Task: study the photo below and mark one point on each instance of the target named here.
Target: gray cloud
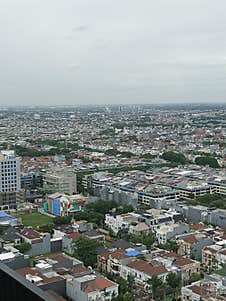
(111, 51)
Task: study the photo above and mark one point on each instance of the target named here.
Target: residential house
(214, 257)
(45, 278)
(139, 228)
(68, 241)
(91, 288)
(191, 245)
(40, 242)
(203, 290)
(142, 271)
(169, 231)
(186, 267)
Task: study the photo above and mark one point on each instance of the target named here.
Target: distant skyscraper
(36, 118)
(9, 179)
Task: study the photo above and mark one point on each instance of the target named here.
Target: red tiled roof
(60, 257)
(182, 261)
(211, 250)
(170, 254)
(197, 227)
(78, 270)
(199, 290)
(30, 233)
(223, 251)
(178, 259)
(191, 239)
(34, 272)
(99, 283)
(73, 235)
(147, 268)
(117, 254)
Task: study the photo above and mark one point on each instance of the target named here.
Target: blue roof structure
(3, 214)
(133, 253)
(6, 219)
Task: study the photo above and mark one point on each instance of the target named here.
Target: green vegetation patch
(210, 200)
(222, 271)
(35, 219)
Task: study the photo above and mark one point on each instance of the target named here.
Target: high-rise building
(9, 179)
(62, 182)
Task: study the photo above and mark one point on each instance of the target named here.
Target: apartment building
(120, 222)
(9, 179)
(169, 231)
(62, 182)
(213, 257)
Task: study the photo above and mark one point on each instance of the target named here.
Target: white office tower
(9, 179)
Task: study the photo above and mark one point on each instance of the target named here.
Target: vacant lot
(35, 219)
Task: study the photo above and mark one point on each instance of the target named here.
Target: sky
(73, 52)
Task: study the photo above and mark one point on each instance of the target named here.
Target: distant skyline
(81, 52)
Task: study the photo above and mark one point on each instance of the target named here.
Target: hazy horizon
(101, 52)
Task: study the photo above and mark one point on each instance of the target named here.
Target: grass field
(35, 219)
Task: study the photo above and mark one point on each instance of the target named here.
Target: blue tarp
(3, 214)
(133, 253)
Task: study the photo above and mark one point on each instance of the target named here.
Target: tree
(62, 220)
(195, 277)
(46, 228)
(207, 160)
(91, 217)
(148, 156)
(23, 247)
(148, 240)
(102, 207)
(85, 249)
(127, 296)
(170, 245)
(174, 157)
(156, 284)
(124, 209)
(173, 280)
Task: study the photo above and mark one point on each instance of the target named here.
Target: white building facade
(9, 179)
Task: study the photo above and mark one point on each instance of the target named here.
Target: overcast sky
(112, 51)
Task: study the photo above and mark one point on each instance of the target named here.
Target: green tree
(124, 209)
(128, 296)
(148, 156)
(46, 228)
(195, 277)
(23, 247)
(174, 157)
(91, 217)
(85, 249)
(148, 240)
(102, 207)
(156, 284)
(170, 245)
(173, 280)
(62, 220)
(207, 160)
